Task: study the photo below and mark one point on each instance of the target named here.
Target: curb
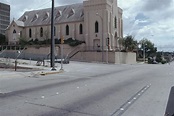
(10, 76)
(49, 73)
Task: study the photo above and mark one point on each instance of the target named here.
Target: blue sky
(151, 19)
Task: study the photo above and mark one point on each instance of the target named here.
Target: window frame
(80, 29)
(67, 29)
(96, 27)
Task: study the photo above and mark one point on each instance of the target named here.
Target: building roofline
(4, 4)
(50, 7)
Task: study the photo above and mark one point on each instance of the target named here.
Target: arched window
(67, 30)
(54, 31)
(14, 31)
(81, 29)
(115, 22)
(41, 32)
(30, 33)
(96, 27)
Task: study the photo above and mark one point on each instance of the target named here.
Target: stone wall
(113, 57)
(39, 53)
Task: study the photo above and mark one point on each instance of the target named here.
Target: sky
(151, 19)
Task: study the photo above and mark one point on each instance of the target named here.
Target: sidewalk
(40, 70)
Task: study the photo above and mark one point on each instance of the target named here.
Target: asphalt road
(89, 89)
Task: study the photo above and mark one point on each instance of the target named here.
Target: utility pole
(52, 39)
(144, 52)
(62, 42)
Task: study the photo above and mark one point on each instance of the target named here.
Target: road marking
(129, 102)
(42, 97)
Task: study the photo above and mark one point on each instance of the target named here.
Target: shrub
(23, 41)
(163, 62)
(72, 42)
(2, 39)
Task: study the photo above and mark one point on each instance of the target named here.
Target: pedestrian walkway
(31, 69)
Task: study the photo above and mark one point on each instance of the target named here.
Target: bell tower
(97, 21)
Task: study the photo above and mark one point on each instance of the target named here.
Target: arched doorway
(96, 44)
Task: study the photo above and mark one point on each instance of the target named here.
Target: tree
(149, 47)
(159, 57)
(129, 43)
(2, 39)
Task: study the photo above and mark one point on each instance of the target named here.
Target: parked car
(152, 61)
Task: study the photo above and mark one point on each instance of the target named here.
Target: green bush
(158, 57)
(23, 41)
(69, 41)
(72, 42)
(163, 62)
(57, 41)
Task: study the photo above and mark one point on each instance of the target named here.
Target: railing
(11, 47)
(3, 51)
(73, 52)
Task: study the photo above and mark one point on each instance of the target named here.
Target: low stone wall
(113, 57)
(40, 53)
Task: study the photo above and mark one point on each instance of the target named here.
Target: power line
(43, 4)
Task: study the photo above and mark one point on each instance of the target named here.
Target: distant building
(4, 17)
(94, 21)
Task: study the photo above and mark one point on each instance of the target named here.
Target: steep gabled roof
(68, 13)
(17, 22)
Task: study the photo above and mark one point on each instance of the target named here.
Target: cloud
(140, 18)
(151, 5)
(65, 2)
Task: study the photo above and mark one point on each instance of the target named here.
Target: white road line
(127, 104)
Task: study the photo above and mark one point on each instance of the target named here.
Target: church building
(97, 22)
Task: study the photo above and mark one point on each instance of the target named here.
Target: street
(90, 89)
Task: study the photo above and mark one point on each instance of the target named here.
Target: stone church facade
(94, 21)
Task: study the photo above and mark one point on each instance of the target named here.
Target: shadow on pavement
(170, 104)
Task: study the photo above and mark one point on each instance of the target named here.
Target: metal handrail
(3, 51)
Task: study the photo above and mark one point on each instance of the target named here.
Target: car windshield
(86, 58)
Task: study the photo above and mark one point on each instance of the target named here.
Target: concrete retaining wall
(113, 57)
(40, 53)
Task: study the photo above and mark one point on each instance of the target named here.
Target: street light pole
(62, 42)
(19, 53)
(144, 52)
(52, 38)
(102, 37)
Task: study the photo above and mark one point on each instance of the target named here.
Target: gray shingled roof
(66, 11)
(19, 23)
